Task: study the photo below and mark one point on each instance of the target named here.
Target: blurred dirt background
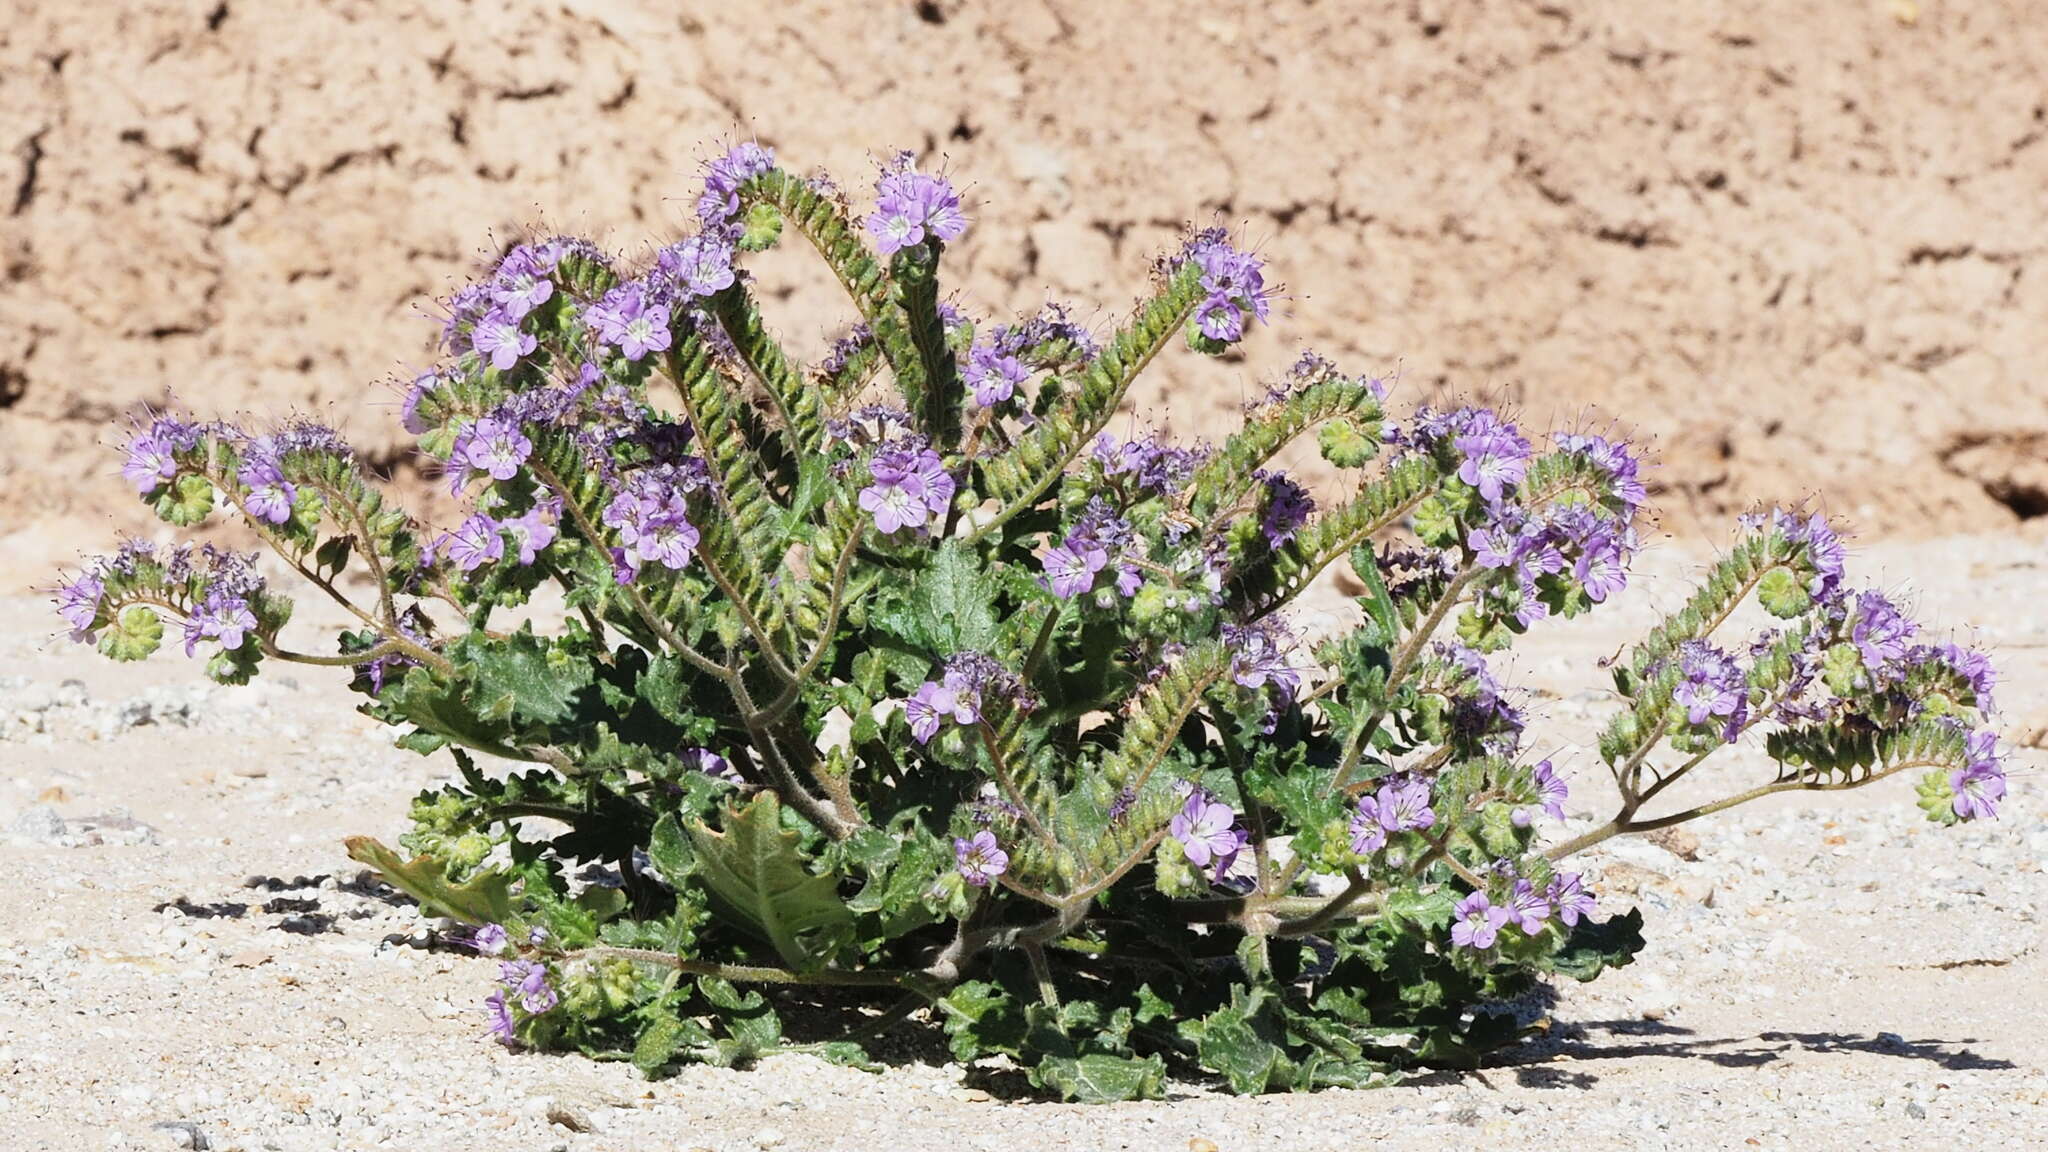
(1803, 249)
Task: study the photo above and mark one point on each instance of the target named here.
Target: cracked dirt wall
(1802, 248)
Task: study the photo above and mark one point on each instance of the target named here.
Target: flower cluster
(912, 207)
(910, 488)
(1235, 283)
(1100, 541)
(651, 514)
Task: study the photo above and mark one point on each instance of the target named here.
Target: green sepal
(135, 634)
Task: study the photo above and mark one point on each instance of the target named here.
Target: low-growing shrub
(895, 690)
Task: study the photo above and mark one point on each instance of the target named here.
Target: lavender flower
(911, 206)
(497, 339)
(1288, 506)
(1880, 631)
(1235, 281)
(720, 200)
(937, 701)
(1551, 792)
(501, 1017)
(270, 496)
(222, 616)
(474, 543)
(1259, 656)
(152, 455)
(1404, 804)
(910, 487)
(493, 446)
(1071, 570)
(1206, 829)
(1477, 922)
(1568, 898)
(651, 516)
(1495, 455)
(78, 602)
(711, 764)
(1711, 684)
(993, 376)
(521, 282)
(534, 530)
(1527, 908)
(629, 321)
(489, 940)
(1980, 783)
(529, 981)
(1368, 835)
(980, 859)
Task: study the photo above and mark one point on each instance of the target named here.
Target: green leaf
(134, 635)
(756, 873)
(1230, 1047)
(1593, 947)
(661, 1040)
(187, 501)
(671, 853)
(485, 898)
(747, 1017)
(1783, 594)
(951, 606)
(982, 1019)
(1102, 1079)
(525, 677)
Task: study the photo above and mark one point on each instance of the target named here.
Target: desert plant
(896, 689)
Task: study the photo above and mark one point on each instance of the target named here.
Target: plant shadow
(1535, 1062)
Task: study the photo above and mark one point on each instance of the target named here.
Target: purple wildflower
(1259, 656)
(1980, 783)
(1368, 835)
(1881, 631)
(911, 206)
(993, 375)
(536, 529)
(497, 338)
(1568, 898)
(521, 283)
(1478, 922)
(1220, 320)
(627, 320)
(1602, 567)
(1288, 506)
(910, 487)
(493, 446)
(1527, 908)
(711, 764)
(222, 616)
(474, 543)
(270, 495)
(1551, 792)
(1070, 571)
(720, 200)
(1206, 829)
(79, 604)
(981, 859)
(650, 515)
(697, 266)
(152, 454)
(489, 940)
(937, 701)
(1711, 683)
(1495, 455)
(501, 1017)
(529, 981)
(1404, 804)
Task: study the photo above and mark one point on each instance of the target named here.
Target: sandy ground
(187, 957)
(1802, 247)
